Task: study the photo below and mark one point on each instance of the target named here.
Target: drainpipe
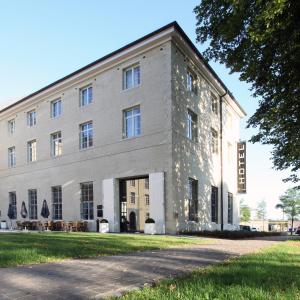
(221, 158)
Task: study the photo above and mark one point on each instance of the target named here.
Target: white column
(157, 201)
(111, 204)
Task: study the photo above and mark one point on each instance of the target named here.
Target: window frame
(230, 208)
(89, 101)
(31, 151)
(11, 129)
(192, 199)
(31, 118)
(214, 103)
(136, 128)
(55, 147)
(133, 79)
(214, 204)
(214, 141)
(192, 126)
(147, 200)
(32, 207)
(13, 203)
(132, 198)
(52, 110)
(89, 214)
(89, 135)
(11, 156)
(191, 81)
(56, 201)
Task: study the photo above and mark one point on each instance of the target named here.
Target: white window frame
(56, 194)
(56, 144)
(89, 93)
(191, 81)
(89, 135)
(31, 151)
(11, 157)
(192, 126)
(11, 124)
(214, 141)
(87, 200)
(135, 120)
(214, 103)
(12, 198)
(56, 112)
(135, 77)
(31, 118)
(32, 204)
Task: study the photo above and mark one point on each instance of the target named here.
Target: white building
(154, 110)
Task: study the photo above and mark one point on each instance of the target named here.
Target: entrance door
(132, 221)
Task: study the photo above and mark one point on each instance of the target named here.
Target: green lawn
(30, 248)
(272, 274)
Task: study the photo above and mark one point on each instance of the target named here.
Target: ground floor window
(214, 204)
(230, 208)
(13, 205)
(32, 204)
(87, 201)
(56, 203)
(193, 199)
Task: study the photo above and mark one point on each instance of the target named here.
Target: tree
(261, 210)
(261, 41)
(290, 204)
(245, 212)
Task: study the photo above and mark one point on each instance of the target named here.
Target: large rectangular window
(87, 201)
(214, 141)
(31, 151)
(86, 135)
(214, 204)
(86, 95)
(214, 103)
(11, 157)
(191, 82)
(31, 118)
(131, 77)
(56, 202)
(132, 122)
(193, 199)
(11, 125)
(56, 144)
(56, 108)
(13, 204)
(32, 204)
(132, 198)
(230, 208)
(192, 127)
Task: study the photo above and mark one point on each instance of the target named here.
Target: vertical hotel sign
(241, 167)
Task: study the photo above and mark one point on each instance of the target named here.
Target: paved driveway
(97, 278)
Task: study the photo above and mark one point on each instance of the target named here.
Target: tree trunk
(292, 225)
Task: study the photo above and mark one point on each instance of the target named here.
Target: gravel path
(98, 278)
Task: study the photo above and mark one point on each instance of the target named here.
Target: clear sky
(42, 41)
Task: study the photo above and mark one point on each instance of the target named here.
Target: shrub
(149, 221)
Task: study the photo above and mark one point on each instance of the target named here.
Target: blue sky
(42, 41)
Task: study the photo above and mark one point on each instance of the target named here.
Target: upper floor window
(86, 135)
(214, 204)
(132, 182)
(31, 151)
(192, 127)
(193, 199)
(56, 144)
(214, 141)
(11, 126)
(87, 201)
(31, 118)
(56, 108)
(147, 199)
(86, 95)
(11, 157)
(132, 198)
(191, 82)
(230, 208)
(13, 205)
(132, 122)
(214, 104)
(131, 77)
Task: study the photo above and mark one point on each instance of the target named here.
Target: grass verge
(31, 248)
(271, 274)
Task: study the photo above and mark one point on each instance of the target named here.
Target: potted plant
(3, 225)
(103, 226)
(150, 226)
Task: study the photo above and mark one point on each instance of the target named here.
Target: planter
(150, 228)
(3, 225)
(103, 227)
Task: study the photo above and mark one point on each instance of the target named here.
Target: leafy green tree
(290, 204)
(261, 210)
(261, 41)
(245, 212)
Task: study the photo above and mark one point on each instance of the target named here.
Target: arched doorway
(132, 221)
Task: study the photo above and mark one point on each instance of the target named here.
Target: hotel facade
(147, 131)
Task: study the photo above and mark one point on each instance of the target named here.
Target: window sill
(129, 89)
(85, 149)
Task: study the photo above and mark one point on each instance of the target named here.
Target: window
(86, 95)
(131, 77)
(230, 208)
(214, 141)
(13, 204)
(214, 204)
(132, 122)
(193, 199)
(32, 204)
(86, 135)
(87, 201)
(55, 108)
(132, 182)
(31, 151)
(132, 198)
(11, 126)
(56, 192)
(56, 144)
(147, 200)
(192, 82)
(192, 128)
(100, 211)
(214, 103)
(147, 183)
(11, 157)
(31, 118)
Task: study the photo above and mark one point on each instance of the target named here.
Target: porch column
(111, 203)
(157, 200)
